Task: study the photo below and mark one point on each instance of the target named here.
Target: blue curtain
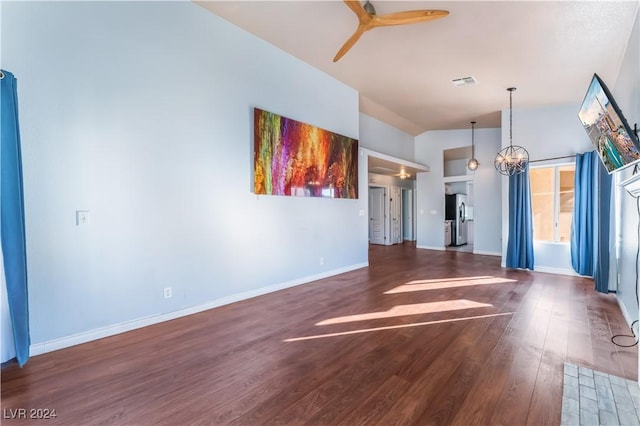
(12, 217)
(591, 216)
(582, 230)
(520, 244)
(603, 221)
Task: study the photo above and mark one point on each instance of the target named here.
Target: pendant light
(473, 164)
(514, 158)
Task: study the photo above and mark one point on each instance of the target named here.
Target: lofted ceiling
(547, 49)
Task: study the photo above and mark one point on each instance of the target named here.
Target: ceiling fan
(368, 20)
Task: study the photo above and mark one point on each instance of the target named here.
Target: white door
(407, 214)
(376, 215)
(395, 212)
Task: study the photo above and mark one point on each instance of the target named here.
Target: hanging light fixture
(514, 158)
(472, 164)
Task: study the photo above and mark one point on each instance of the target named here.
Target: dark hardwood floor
(419, 337)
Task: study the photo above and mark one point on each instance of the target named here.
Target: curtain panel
(520, 243)
(12, 225)
(590, 231)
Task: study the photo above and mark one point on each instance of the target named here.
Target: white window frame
(556, 198)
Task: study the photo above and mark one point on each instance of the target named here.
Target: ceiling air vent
(465, 81)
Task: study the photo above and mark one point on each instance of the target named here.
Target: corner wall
(385, 139)
(141, 113)
(627, 94)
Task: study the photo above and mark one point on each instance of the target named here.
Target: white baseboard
(431, 248)
(625, 313)
(487, 253)
(557, 271)
(123, 327)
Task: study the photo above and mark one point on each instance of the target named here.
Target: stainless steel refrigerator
(455, 211)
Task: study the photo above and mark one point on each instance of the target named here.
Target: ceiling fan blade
(349, 43)
(408, 17)
(358, 9)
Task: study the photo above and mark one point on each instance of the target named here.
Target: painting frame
(293, 158)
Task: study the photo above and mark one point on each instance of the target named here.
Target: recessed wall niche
(455, 161)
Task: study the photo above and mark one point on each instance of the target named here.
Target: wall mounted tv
(613, 138)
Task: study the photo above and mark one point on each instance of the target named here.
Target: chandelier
(514, 158)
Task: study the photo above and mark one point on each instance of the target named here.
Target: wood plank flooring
(419, 337)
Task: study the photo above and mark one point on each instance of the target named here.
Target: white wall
(456, 188)
(627, 95)
(383, 138)
(383, 180)
(457, 167)
(141, 113)
(430, 188)
(545, 132)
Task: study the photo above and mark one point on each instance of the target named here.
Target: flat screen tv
(613, 138)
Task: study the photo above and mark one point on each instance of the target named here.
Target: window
(552, 202)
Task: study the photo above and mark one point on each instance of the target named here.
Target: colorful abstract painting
(298, 159)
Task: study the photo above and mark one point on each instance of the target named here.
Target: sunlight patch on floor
(421, 285)
(393, 327)
(414, 309)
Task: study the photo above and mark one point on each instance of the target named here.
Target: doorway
(407, 215)
(395, 214)
(392, 198)
(391, 215)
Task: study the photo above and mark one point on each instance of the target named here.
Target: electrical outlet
(82, 217)
(168, 293)
(322, 260)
